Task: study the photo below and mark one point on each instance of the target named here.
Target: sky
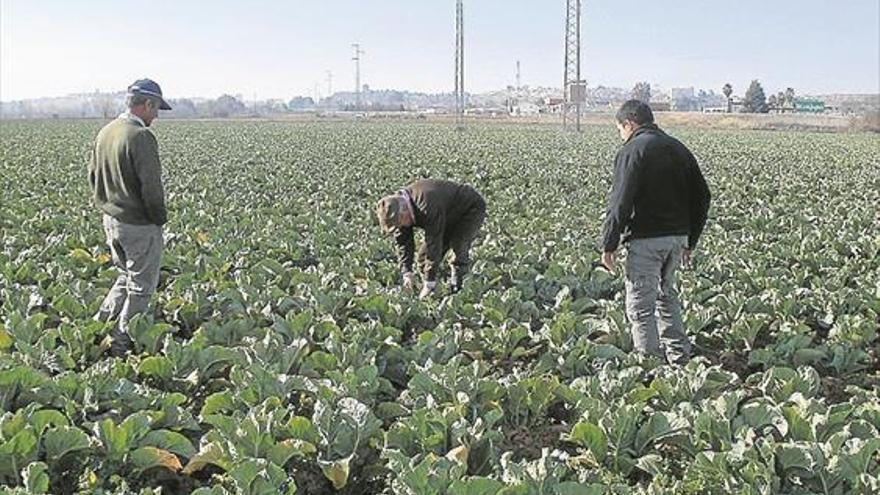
(279, 49)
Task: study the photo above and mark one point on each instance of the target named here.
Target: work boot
(456, 279)
(121, 343)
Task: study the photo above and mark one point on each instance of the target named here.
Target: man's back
(658, 179)
(441, 200)
(451, 214)
(125, 173)
(662, 200)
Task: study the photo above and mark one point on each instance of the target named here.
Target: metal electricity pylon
(459, 64)
(357, 73)
(573, 87)
(518, 77)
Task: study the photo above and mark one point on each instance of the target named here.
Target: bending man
(451, 215)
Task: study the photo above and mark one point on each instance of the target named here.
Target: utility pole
(518, 77)
(459, 64)
(357, 73)
(329, 83)
(574, 89)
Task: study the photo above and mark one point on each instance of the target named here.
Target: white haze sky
(278, 49)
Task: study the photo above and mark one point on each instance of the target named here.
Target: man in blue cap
(126, 179)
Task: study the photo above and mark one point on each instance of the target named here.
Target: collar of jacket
(643, 129)
(409, 203)
(132, 117)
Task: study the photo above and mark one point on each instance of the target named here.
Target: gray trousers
(137, 253)
(652, 304)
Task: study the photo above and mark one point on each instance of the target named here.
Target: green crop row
(281, 357)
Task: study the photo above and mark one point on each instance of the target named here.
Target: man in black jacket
(451, 215)
(658, 206)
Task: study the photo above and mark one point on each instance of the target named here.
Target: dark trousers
(459, 236)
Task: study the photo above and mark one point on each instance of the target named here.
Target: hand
(409, 281)
(427, 290)
(608, 260)
(686, 257)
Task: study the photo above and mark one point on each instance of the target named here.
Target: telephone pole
(329, 83)
(357, 73)
(573, 87)
(459, 64)
(518, 77)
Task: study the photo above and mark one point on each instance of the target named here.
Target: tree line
(755, 99)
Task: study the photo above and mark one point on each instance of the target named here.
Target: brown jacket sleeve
(406, 247)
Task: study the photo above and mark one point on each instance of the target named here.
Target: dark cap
(388, 212)
(149, 87)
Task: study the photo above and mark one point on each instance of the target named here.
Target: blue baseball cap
(149, 87)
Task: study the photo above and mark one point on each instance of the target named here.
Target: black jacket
(658, 191)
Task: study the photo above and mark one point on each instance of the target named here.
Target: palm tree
(727, 90)
(789, 98)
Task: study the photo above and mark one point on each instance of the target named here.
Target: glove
(409, 281)
(427, 290)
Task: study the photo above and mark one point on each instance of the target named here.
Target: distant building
(523, 108)
(685, 105)
(684, 100)
(809, 105)
(661, 106)
(553, 104)
(737, 105)
(491, 111)
(682, 93)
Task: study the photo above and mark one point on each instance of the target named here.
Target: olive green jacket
(125, 173)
